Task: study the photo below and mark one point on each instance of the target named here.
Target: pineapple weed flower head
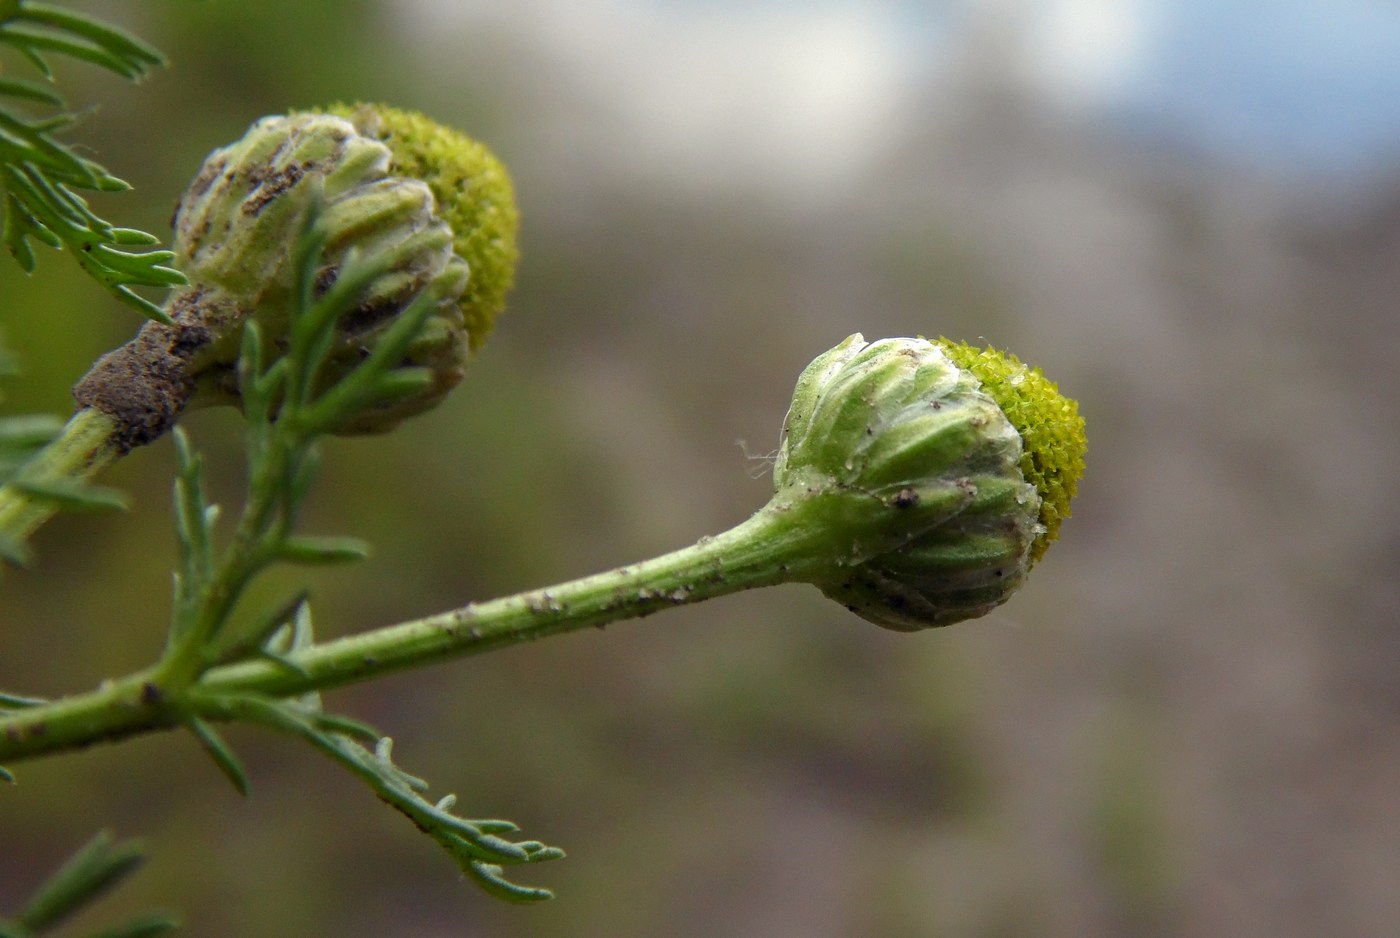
(432, 202)
(942, 473)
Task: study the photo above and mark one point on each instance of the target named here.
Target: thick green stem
(774, 546)
(765, 550)
(90, 442)
(115, 710)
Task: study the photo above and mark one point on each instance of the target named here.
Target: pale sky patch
(1087, 52)
(801, 96)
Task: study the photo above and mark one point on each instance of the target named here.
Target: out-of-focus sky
(1300, 88)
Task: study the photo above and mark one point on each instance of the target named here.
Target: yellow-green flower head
(917, 473)
(474, 196)
(1052, 432)
(386, 182)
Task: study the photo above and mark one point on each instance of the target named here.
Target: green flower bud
(386, 183)
(916, 470)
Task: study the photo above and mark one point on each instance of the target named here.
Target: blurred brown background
(1186, 724)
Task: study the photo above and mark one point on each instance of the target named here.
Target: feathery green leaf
(39, 174)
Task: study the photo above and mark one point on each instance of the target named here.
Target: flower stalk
(778, 544)
(898, 492)
(87, 444)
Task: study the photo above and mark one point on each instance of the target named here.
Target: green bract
(916, 471)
